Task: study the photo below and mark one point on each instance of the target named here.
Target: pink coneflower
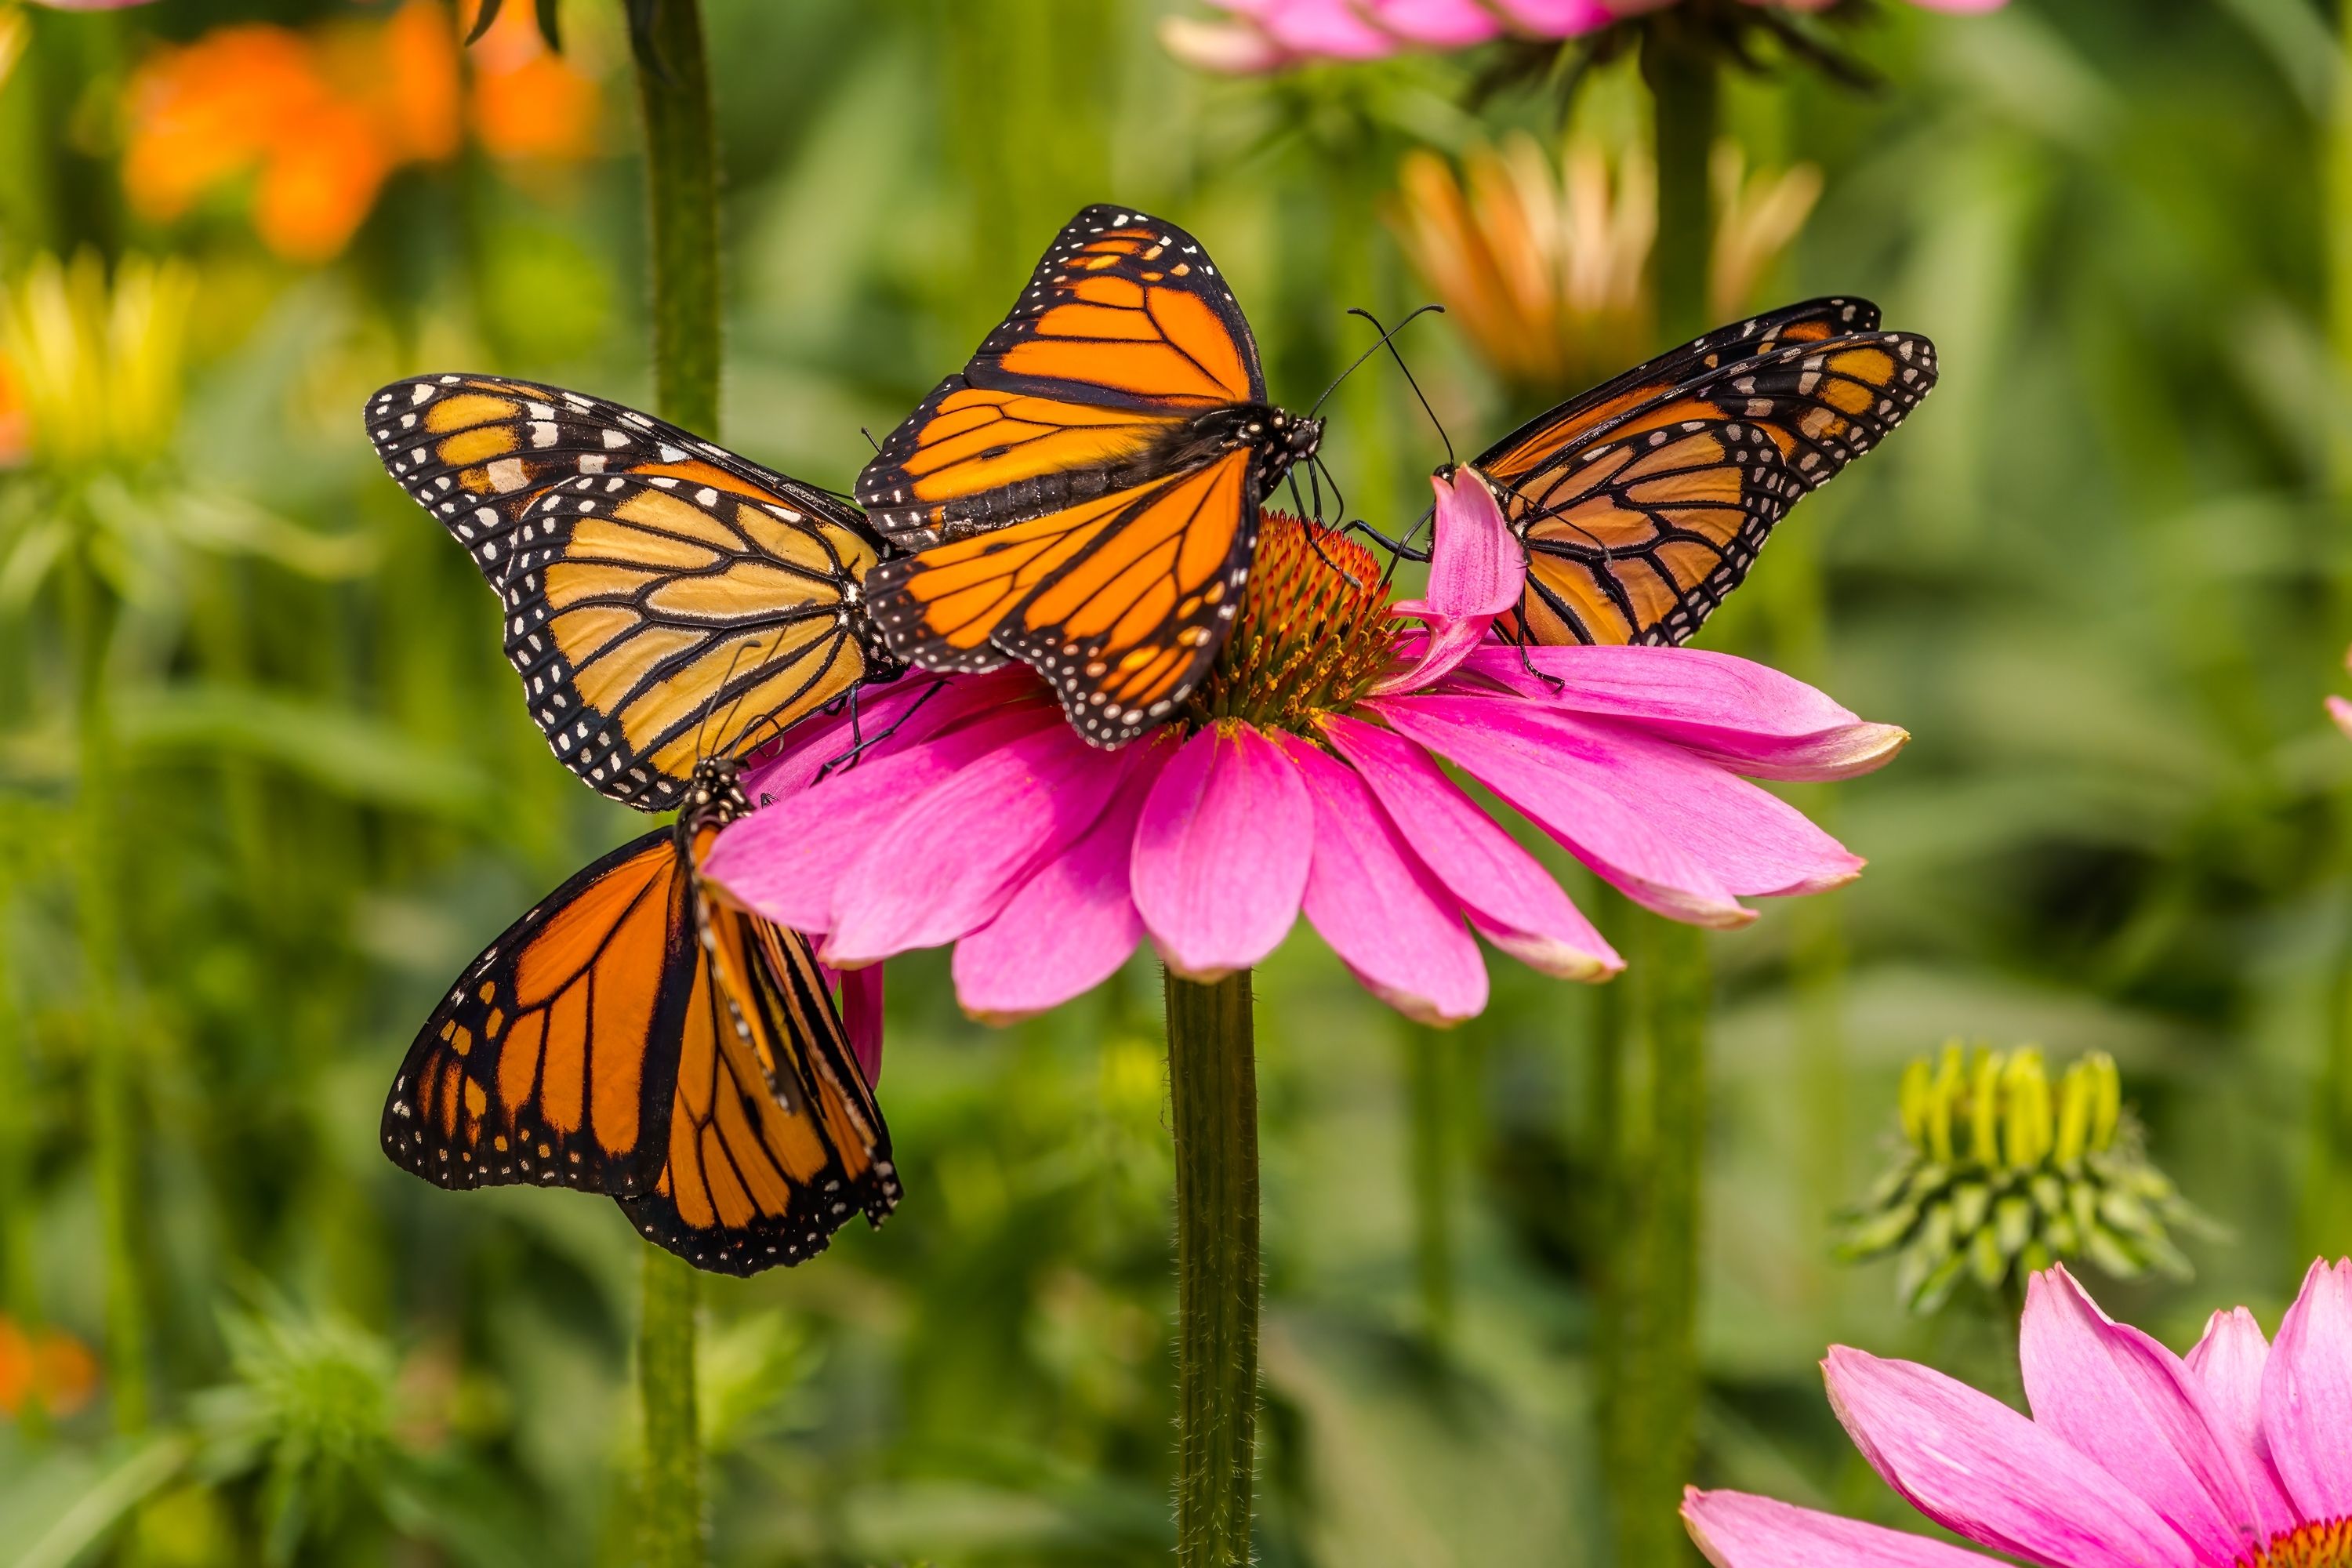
(1306, 776)
(2237, 1457)
(1272, 35)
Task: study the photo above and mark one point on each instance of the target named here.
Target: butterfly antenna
(701, 730)
(859, 747)
(1397, 355)
(870, 441)
(1369, 352)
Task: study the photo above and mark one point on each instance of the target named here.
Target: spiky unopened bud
(1999, 1176)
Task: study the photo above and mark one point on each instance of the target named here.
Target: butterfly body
(638, 1035)
(1083, 496)
(1643, 502)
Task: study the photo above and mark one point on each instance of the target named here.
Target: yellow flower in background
(1544, 264)
(316, 120)
(96, 364)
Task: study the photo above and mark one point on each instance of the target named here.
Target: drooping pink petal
(861, 1016)
(784, 859)
(1477, 570)
(1736, 1529)
(1327, 29)
(1747, 716)
(1557, 18)
(2124, 1401)
(2228, 1365)
(1579, 805)
(1388, 919)
(1510, 897)
(1978, 1467)
(1072, 922)
(898, 717)
(1222, 852)
(1436, 24)
(2341, 711)
(2307, 1395)
(1960, 7)
(1671, 812)
(962, 845)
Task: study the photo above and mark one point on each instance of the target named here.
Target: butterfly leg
(859, 746)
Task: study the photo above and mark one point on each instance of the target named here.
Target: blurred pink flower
(1270, 35)
(2237, 1457)
(1305, 777)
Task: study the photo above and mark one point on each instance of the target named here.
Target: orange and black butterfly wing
(1585, 416)
(775, 1140)
(553, 1060)
(1126, 332)
(1636, 533)
(1121, 600)
(662, 595)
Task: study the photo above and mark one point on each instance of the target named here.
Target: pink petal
(899, 717)
(2228, 1365)
(1976, 1466)
(1439, 23)
(1476, 570)
(1510, 897)
(1222, 852)
(1751, 719)
(964, 844)
(2341, 711)
(2307, 1395)
(1736, 1529)
(1329, 29)
(860, 992)
(1387, 918)
(1960, 7)
(1673, 831)
(1557, 18)
(784, 859)
(1072, 924)
(2121, 1399)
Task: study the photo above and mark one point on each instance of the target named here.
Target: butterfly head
(1281, 438)
(714, 795)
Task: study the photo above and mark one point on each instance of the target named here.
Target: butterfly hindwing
(773, 1139)
(1122, 601)
(643, 573)
(1638, 518)
(550, 1061)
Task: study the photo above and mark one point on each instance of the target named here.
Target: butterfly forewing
(548, 1062)
(662, 595)
(1641, 511)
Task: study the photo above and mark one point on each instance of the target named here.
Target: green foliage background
(2103, 577)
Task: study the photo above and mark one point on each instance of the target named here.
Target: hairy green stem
(1213, 1084)
(682, 187)
(1651, 1070)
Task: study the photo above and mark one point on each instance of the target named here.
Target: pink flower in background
(2337, 708)
(1270, 35)
(1307, 779)
(2237, 1457)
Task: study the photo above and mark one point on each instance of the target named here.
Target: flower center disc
(1312, 635)
(2327, 1544)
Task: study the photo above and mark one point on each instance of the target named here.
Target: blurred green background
(265, 785)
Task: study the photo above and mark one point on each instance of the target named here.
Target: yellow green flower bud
(1998, 1174)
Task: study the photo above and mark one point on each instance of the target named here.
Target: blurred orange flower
(54, 1369)
(319, 118)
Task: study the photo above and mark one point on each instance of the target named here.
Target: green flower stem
(1682, 79)
(1650, 1105)
(20, 1295)
(682, 185)
(90, 617)
(1213, 1080)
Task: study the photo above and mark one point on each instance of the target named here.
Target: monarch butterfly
(650, 578)
(1083, 495)
(639, 1033)
(1643, 502)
